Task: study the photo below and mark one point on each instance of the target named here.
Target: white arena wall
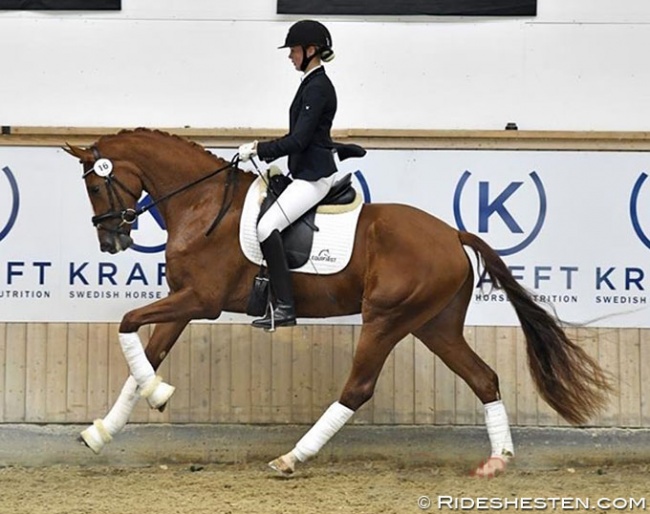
(575, 66)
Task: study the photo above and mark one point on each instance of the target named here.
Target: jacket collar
(313, 72)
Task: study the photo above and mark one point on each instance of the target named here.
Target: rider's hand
(248, 150)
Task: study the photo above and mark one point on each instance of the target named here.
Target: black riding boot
(283, 314)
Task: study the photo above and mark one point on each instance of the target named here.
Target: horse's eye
(94, 190)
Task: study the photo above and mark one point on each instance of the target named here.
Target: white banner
(574, 227)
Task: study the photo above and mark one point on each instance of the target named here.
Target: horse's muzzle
(116, 243)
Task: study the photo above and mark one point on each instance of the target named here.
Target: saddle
(299, 236)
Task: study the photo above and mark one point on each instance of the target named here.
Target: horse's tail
(570, 381)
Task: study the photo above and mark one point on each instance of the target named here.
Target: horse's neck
(184, 182)
(169, 166)
(162, 176)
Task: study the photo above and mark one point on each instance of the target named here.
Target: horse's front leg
(179, 306)
(103, 430)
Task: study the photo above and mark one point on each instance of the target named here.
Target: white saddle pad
(333, 243)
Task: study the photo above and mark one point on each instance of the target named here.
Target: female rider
(311, 162)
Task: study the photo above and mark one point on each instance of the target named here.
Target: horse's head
(114, 187)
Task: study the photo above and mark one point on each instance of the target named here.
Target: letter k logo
(487, 209)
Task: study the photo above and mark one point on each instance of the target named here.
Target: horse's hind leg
(443, 335)
(454, 351)
(376, 341)
(102, 431)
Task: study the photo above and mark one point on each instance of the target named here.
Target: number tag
(103, 167)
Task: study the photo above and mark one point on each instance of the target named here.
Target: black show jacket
(308, 143)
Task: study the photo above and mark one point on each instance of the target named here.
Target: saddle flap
(329, 249)
(298, 237)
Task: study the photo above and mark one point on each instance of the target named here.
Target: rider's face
(296, 54)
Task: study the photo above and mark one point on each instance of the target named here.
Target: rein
(129, 216)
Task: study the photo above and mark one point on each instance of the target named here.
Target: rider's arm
(314, 102)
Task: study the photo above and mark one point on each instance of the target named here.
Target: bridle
(113, 187)
(128, 215)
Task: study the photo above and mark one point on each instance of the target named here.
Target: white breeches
(295, 200)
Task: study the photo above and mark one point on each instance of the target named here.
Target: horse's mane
(163, 134)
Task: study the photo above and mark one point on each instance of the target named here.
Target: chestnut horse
(408, 274)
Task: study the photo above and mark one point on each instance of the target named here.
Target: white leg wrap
(139, 365)
(96, 436)
(102, 430)
(329, 424)
(498, 428)
(119, 414)
(152, 387)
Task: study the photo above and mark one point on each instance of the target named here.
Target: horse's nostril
(124, 241)
(106, 247)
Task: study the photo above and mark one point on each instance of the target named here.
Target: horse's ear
(77, 152)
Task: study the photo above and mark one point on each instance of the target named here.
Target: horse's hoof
(282, 466)
(159, 394)
(95, 436)
(491, 468)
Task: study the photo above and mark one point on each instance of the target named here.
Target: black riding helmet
(306, 33)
